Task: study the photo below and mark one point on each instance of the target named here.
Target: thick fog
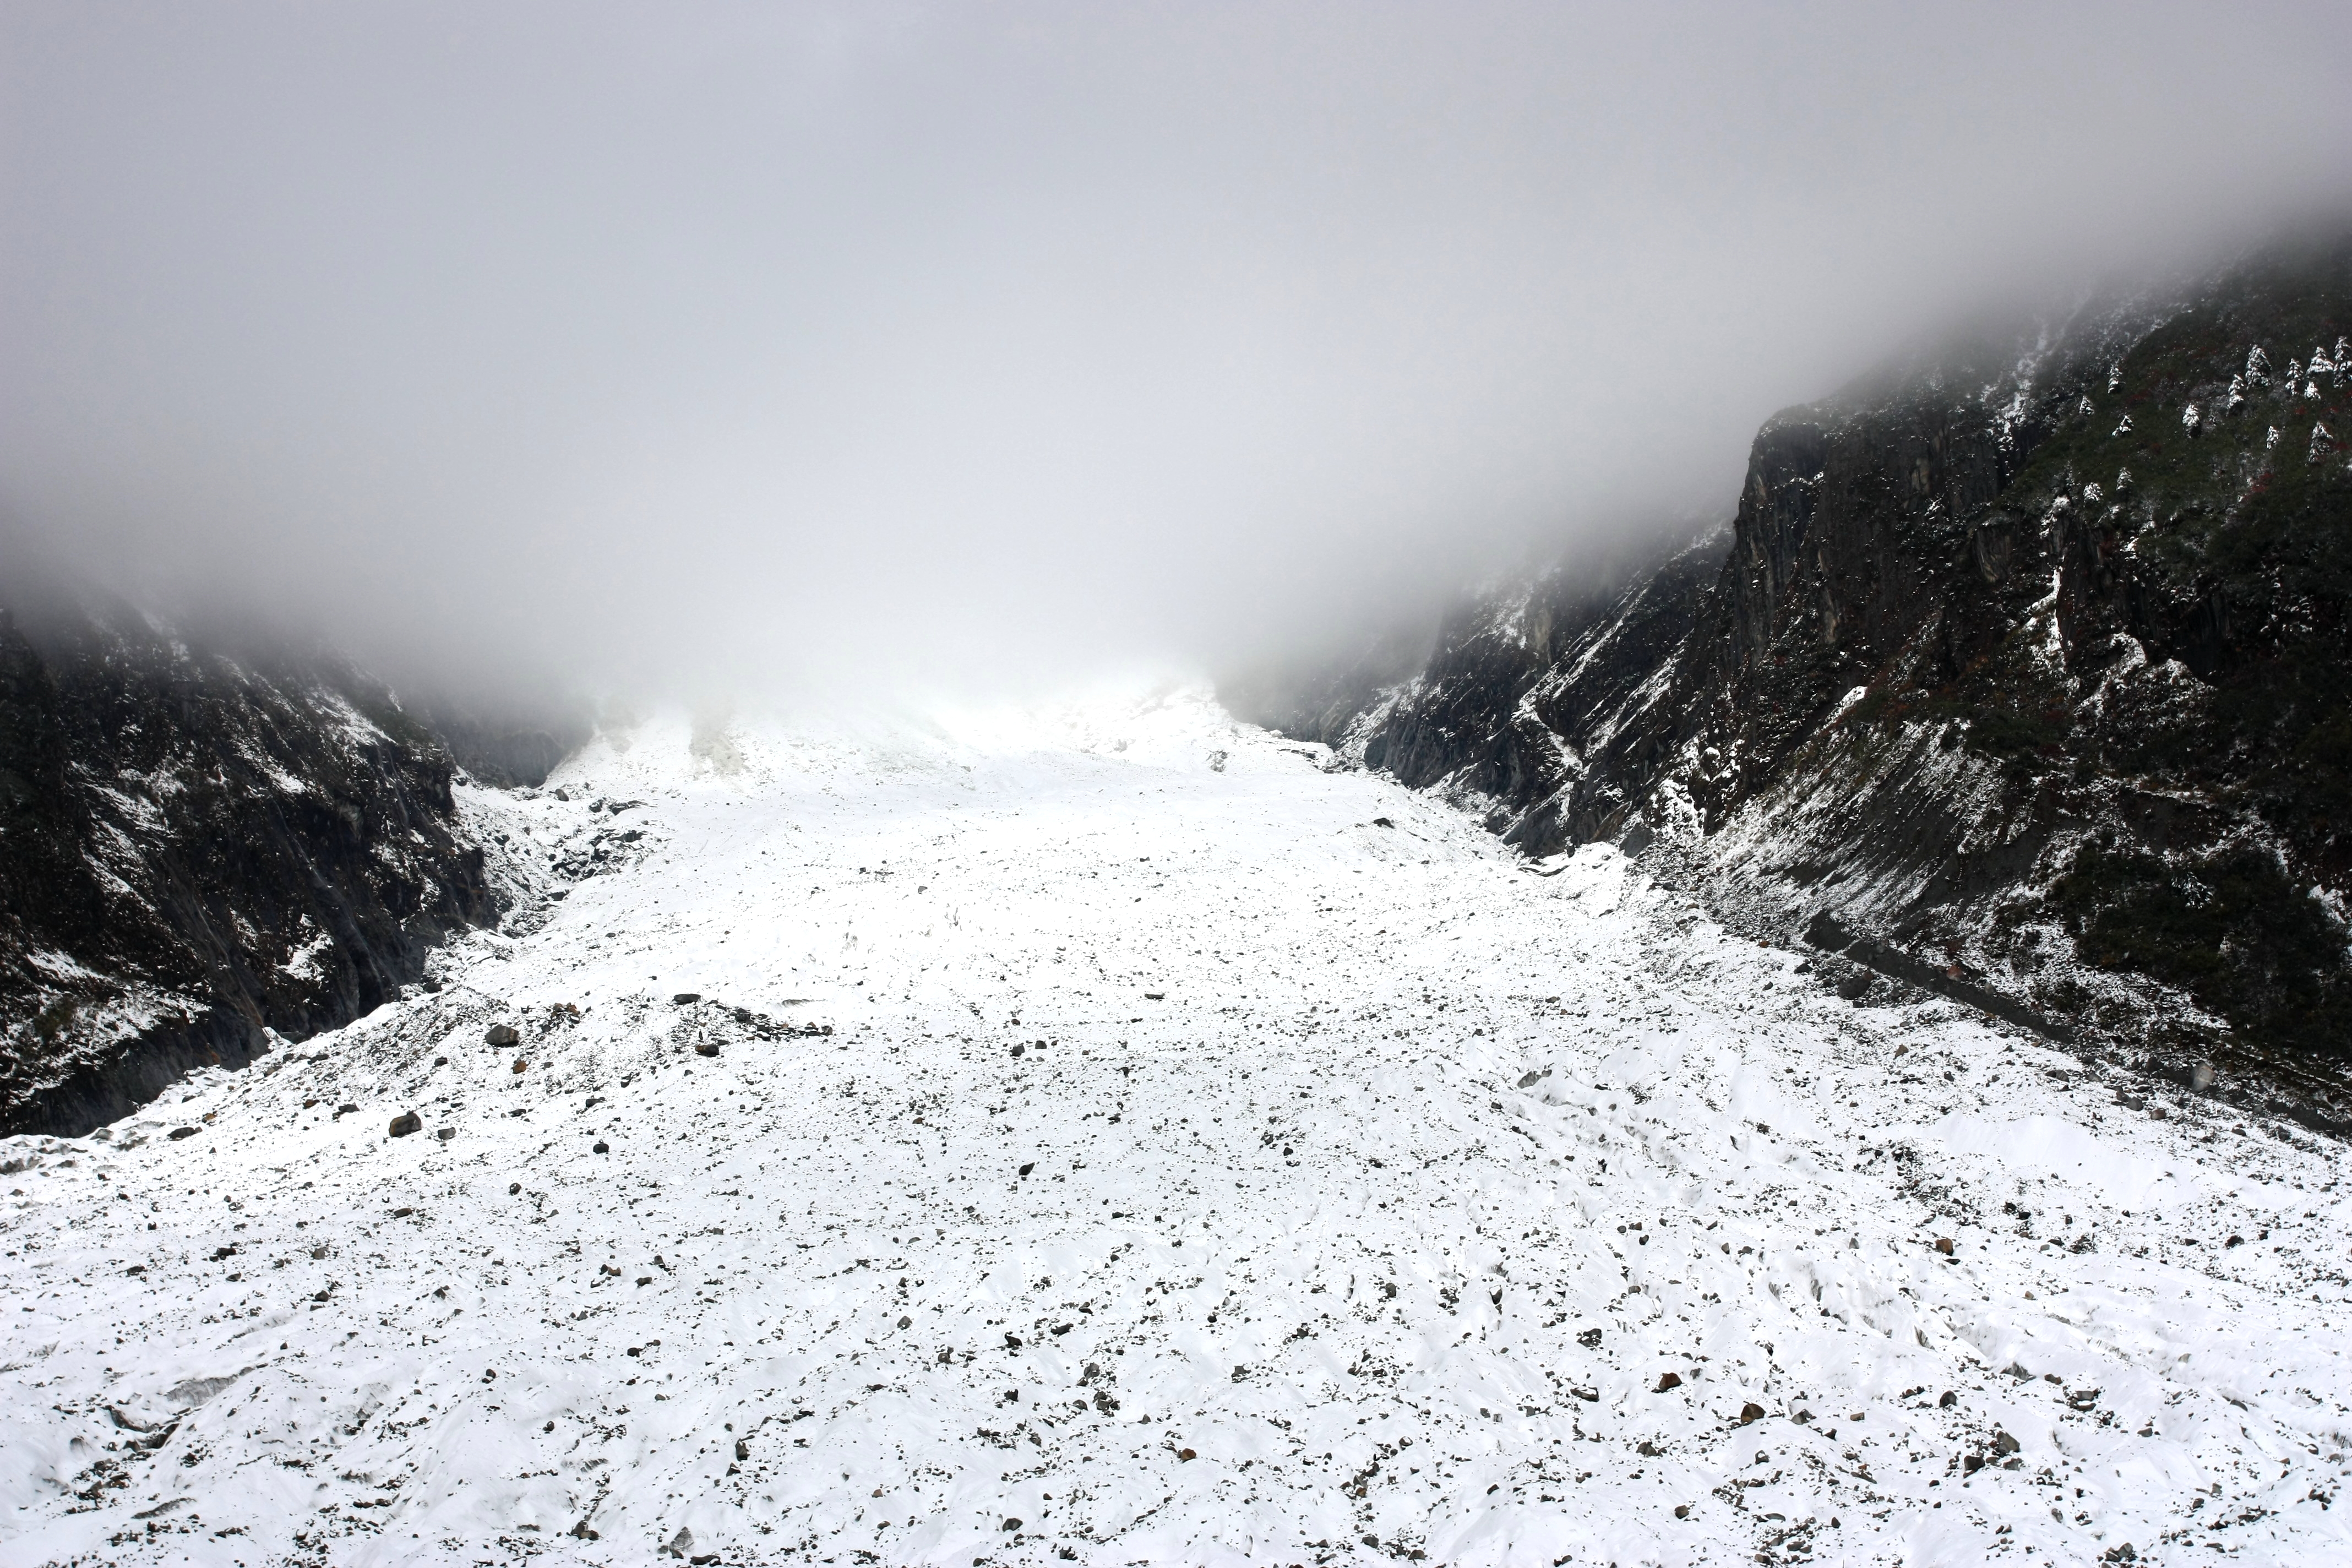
(701, 346)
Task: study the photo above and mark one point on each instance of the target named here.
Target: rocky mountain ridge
(200, 850)
(2025, 661)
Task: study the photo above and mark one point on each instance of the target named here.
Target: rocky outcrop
(198, 848)
(2026, 660)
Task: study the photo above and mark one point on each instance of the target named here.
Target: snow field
(1196, 1170)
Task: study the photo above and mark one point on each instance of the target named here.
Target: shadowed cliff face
(195, 849)
(2011, 653)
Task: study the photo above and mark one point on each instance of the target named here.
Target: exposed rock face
(505, 748)
(2031, 659)
(195, 849)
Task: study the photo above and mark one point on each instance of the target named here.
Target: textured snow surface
(1351, 1193)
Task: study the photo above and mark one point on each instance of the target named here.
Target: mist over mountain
(1030, 784)
(845, 349)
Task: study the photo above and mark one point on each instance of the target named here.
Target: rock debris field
(1099, 1135)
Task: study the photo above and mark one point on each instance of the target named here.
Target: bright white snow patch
(1350, 1196)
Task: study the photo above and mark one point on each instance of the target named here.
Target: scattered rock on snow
(407, 1122)
(500, 1035)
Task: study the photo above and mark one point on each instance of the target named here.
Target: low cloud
(717, 348)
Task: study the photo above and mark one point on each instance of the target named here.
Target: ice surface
(1328, 1150)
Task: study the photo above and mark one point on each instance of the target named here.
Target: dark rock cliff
(196, 848)
(2028, 659)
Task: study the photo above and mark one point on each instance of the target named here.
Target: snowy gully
(1101, 1134)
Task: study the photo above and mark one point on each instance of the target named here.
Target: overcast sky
(683, 344)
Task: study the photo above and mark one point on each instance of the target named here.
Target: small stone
(2201, 1078)
(905, 1321)
(513, 1188)
(1382, 821)
(1944, 1245)
(1590, 1339)
(1186, 1455)
(601, 1147)
(407, 1122)
(180, 1132)
(1011, 1524)
(2002, 1443)
(1948, 1400)
(498, 1037)
(706, 1047)
(520, 1064)
(1648, 1449)
(1019, 1050)
(742, 1447)
(1751, 1411)
(1682, 1511)
(1029, 1167)
(446, 1134)
(686, 998)
(1669, 1379)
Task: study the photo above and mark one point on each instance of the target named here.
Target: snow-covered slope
(1128, 1142)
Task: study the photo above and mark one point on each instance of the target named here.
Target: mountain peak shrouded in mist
(847, 348)
(1036, 785)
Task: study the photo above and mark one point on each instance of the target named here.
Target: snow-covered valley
(1103, 1135)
